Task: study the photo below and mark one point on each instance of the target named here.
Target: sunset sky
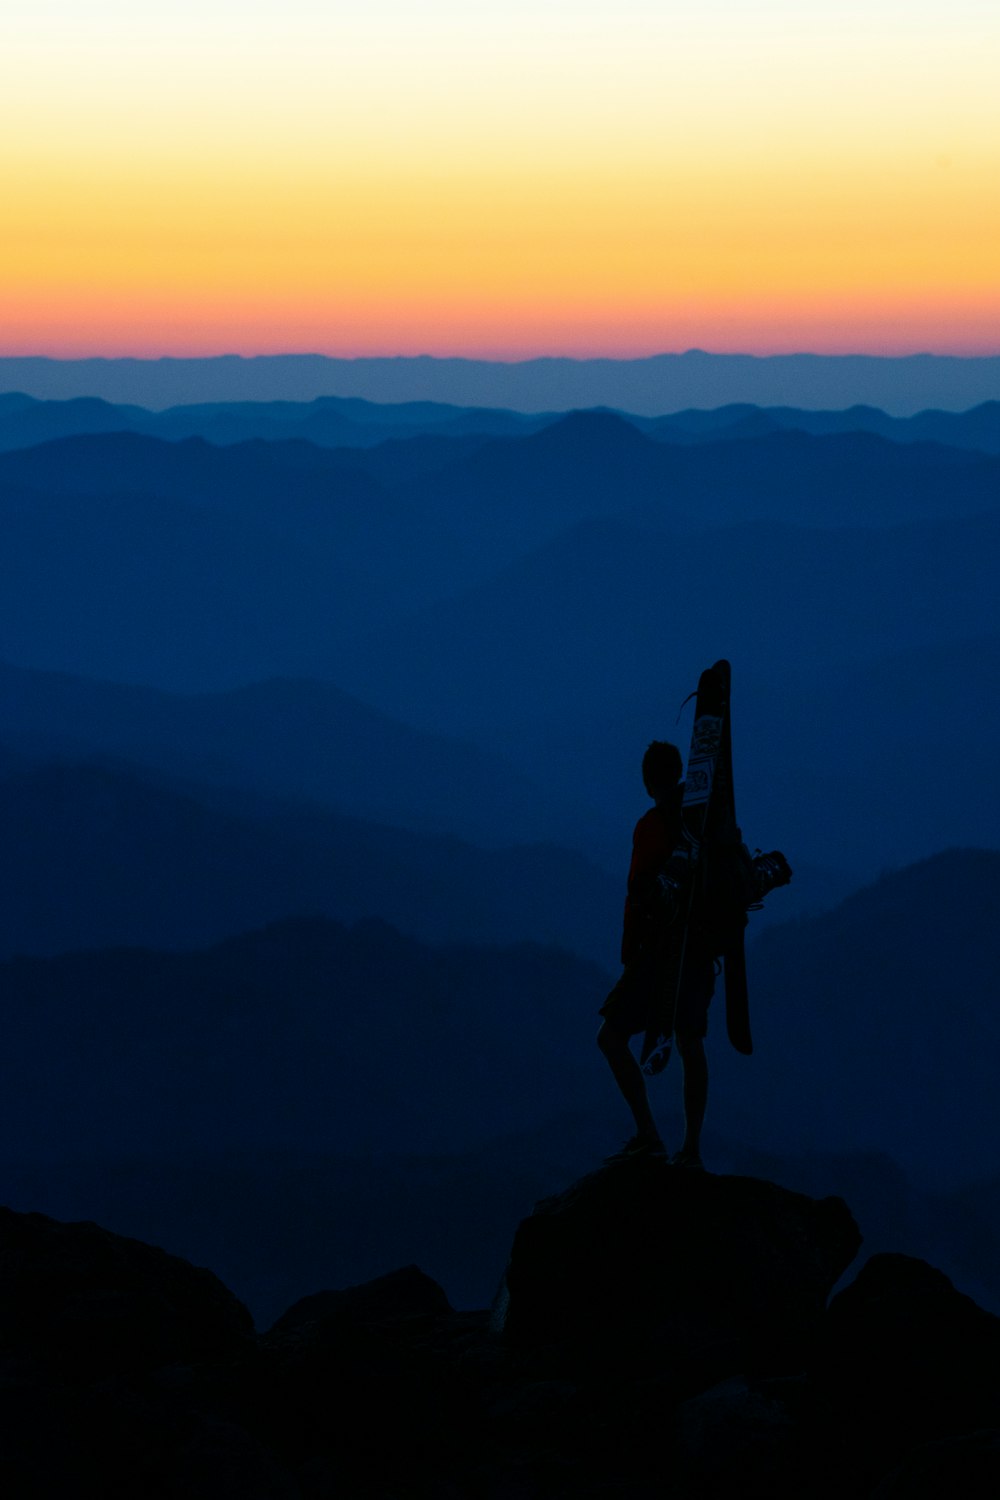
(456, 177)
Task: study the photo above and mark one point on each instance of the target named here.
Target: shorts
(631, 1006)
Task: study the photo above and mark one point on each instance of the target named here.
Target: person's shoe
(689, 1159)
(639, 1145)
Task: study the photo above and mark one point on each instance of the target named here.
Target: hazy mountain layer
(516, 490)
(332, 422)
(508, 495)
(304, 1034)
(295, 739)
(550, 595)
(132, 558)
(95, 855)
(574, 658)
(872, 1024)
(471, 602)
(329, 421)
(662, 383)
(298, 1077)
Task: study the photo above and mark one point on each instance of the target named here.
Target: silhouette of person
(630, 1007)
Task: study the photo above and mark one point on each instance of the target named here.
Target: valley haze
(323, 688)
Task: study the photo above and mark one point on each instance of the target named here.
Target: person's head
(662, 768)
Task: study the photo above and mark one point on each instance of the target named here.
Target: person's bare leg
(628, 1076)
(692, 1051)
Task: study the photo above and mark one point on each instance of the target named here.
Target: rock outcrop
(84, 1303)
(658, 1332)
(685, 1265)
(905, 1361)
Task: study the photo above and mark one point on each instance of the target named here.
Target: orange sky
(550, 178)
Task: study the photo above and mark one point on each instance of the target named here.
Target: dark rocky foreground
(657, 1333)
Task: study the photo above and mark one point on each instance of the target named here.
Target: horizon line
(499, 359)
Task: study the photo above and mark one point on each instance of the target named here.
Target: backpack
(735, 883)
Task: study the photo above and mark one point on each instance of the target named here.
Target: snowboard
(724, 851)
(683, 881)
(736, 883)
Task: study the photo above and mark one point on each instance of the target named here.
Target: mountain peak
(585, 433)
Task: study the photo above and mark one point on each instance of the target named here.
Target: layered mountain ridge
(319, 754)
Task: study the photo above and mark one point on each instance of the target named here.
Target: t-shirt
(653, 838)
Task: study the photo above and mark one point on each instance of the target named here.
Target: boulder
(968, 1466)
(738, 1440)
(906, 1359)
(402, 1297)
(368, 1381)
(727, 1274)
(86, 1303)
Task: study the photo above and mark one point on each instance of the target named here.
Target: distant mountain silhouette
(335, 422)
(96, 855)
(399, 460)
(509, 494)
(650, 386)
(296, 739)
(328, 421)
(269, 1069)
(543, 595)
(256, 478)
(591, 464)
(305, 1034)
(127, 557)
(857, 1013)
(875, 1027)
(978, 428)
(581, 465)
(510, 609)
(25, 421)
(589, 644)
(874, 739)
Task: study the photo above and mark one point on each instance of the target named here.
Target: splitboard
(681, 884)
(735, 883)
(724, 850)
(710, 880)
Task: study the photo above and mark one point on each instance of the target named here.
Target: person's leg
(628, 1076)
(692, 1051)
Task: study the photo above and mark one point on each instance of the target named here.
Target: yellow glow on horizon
(554, 177)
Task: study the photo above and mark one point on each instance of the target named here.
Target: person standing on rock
(629, 1008)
